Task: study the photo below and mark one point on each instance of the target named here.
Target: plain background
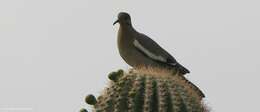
(55, 52)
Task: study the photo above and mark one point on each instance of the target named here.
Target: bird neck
(125, 35)
(126, 29)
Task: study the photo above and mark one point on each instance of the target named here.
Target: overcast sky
(55, 52)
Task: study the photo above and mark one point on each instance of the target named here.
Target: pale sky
(55, 52)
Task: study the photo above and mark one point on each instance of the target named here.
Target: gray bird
(137, 49)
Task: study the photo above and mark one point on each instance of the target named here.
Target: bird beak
(115, 22)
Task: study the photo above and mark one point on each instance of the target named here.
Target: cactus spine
(148, 90)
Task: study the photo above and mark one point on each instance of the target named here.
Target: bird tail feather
(182, 69)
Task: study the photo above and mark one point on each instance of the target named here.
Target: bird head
(123, 19)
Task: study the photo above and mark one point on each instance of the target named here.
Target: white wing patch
(148, 53)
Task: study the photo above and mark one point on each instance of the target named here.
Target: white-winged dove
(138, 49)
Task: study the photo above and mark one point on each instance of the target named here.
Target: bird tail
(182, 69)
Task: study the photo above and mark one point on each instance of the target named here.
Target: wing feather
(153, 50)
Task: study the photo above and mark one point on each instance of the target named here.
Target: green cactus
(148, 90)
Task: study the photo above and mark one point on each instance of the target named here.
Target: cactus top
(146, 91)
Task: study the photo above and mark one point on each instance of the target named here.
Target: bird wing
(151, 49)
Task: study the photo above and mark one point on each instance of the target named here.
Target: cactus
(83, 110)
(148, 90)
